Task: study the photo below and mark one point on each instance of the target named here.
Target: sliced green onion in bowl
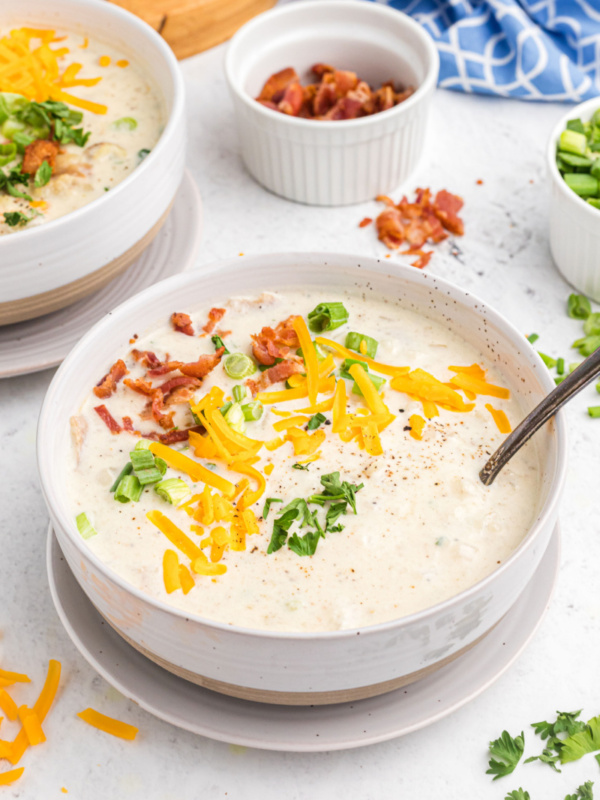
(143, 444)
(8, 153)
(84, 526)
(347, 363)
(129, 488)
(127, 469)
(321, 354)
(125, 123)
(239, 393)
(573, 142)
(141, 459)
(377, 382)
(582, 184)
(238, 366)
(253, 410)
(315, 421)
(235, 418)
(173, 490)
(327, 317)
(353, 342)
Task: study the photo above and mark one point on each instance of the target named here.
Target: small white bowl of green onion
(574, 166)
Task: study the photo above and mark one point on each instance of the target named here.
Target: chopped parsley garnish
(42, 175)
(518, 794)
(298, 510)
(267, 505)
(300, 466)
(56, 118)
(584, 792)
(143, 153)
(315, 421)
(506, 753)
(583, 741)
(10, 180)
(14, 218)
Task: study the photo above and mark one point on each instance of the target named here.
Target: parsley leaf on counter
(566, 722)
(582, 742)
(506, 753)
(584, 792)
(518, 794)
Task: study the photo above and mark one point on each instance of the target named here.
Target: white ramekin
(300, 667)
(325, 162)
(574, 224)
(40, 267)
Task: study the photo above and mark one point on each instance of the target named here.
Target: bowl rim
(68, 528)
(173, 120)
(306, 7)
(580, 110)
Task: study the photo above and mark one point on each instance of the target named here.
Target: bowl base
(45, 303)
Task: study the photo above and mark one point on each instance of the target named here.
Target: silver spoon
(573, 383)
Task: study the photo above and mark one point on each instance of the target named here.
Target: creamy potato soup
(287, 463)
(73, 134)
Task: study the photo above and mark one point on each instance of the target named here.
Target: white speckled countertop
(504, 258)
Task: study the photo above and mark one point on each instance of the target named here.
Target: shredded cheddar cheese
(417, 423)
(107, 724)
(171, 577)
(500, 418)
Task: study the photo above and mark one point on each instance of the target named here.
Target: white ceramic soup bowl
(574, 224)
(57, 263)
(300, 668)
(332, 162)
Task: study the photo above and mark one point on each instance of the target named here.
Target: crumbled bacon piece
(110, 422)
(147, 357)
(157, 405)
(182, 323)
(273, 343)
(178, 436)
(36, 153)
(108, 384)
(205, 364)
(337, 94)
(419, 222)
(174, 383)
(140, 386)
(214, 315)
(128, 424)
(279, 372)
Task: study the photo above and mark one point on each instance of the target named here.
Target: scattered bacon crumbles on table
(417, 223)
(335, 95)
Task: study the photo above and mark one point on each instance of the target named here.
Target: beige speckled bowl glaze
(55, 264)
(301, 668)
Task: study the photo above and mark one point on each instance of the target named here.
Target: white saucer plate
(44, 342)
(298, 728)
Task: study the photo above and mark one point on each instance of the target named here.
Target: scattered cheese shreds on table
(107, 724)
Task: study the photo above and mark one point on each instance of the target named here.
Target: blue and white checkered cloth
(530, 49)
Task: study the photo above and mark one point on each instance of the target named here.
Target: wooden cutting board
(190, 26)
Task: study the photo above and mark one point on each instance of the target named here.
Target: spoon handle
(573, 383)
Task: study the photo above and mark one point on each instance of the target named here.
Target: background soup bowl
(50, 266)
(300, 668)
(326, 162)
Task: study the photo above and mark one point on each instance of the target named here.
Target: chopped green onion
(582, 184)
(315, 421)
(327, 317)
(347, 363)
(129, 488)
(22, 140)
(239, 365)
(532, 338)
(224, 408)
(595, 168)
(587, 345)
(42, 175)
(252, 410)
(143, 153)
(8, 153)
(125, 471)
(594, 411)
(578, 306)
(593, 201)
(591, 326)
(300, 466)
(173, 490)
(321, 354)
(573, 366)
(548, 361)
(598, 387)
(353, 341)
(125, 123)
(13, 218)
(573, 142)
(84, 526)
(576, 161)
(141, 459)
(218, 343)
(143, 444)
(377, 382)
(239, 393)
(560, 366)
(560, 379)
(235, 418)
